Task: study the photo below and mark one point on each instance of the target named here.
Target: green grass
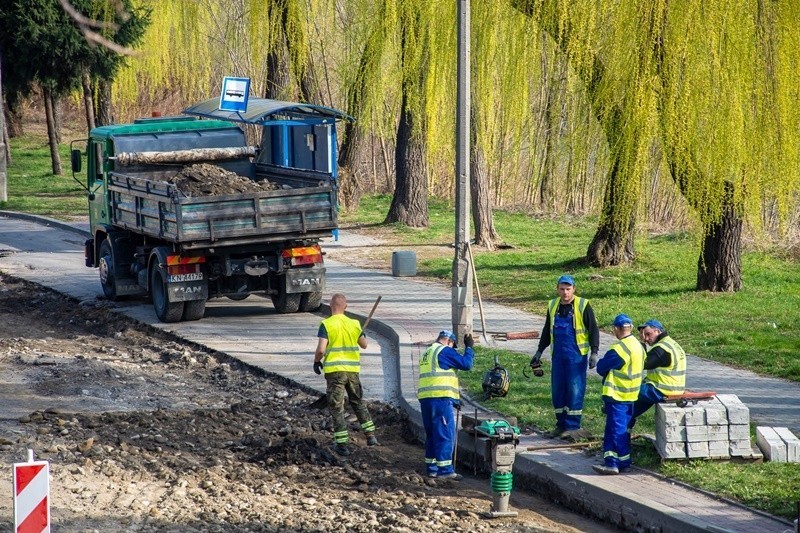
(32, 187)
(770, 487)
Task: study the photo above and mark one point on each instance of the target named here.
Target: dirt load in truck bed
(204, 179)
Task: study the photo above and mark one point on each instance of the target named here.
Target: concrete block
(719, 449)
(738, 412)
(792, 444)
(716, 414)
(696, 433)
(697, 449)
(669, 414)
(741, 448)
(718, 433)
(671, 450)
(771, 445)
(739, 432)
(671, 433)
(695, 415)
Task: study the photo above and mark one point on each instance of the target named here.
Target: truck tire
(106, 267)
(166, 311)
(194, 309)
(310, 301)
(284, 302)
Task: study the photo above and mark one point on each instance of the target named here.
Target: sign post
(32, 496)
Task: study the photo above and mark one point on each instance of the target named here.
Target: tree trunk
(410, 201)
(349, 190)
(56, 100)
(88, 99)
(55, 158)
(14, 119)
(482, 217)
(719, 268)
(103, 117)
(613, 242)
(4, 153)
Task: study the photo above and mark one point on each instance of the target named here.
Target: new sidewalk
(410, 314)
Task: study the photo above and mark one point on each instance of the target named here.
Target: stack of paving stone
(718, 428)
(778, 444)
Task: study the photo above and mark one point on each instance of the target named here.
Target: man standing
(571, 328)
(339, 356)
(665, 365)
(621, 368)
(438, 393)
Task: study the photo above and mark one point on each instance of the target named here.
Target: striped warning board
(32, 497)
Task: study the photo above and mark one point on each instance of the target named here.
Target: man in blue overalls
(571, 328)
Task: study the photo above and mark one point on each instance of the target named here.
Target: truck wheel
(166, 311)
(106, 265)
(194, 309)
(285, 302)
(310, 301)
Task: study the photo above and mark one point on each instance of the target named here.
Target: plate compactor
(496, 381)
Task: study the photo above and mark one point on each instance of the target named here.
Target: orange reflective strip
(301, 251)
(173, 260)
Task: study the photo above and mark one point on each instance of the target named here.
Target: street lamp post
(462, 281)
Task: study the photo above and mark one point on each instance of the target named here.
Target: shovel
(484, 339)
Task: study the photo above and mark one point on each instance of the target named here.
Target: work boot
(453, 476)
(432, 474)
(341, 449)
(606, 470)
(556, 433)
(372, 440)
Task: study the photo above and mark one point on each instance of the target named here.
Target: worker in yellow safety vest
(438, 394)
(622, 368)
(338, 355)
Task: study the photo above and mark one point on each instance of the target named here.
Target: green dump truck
(151, 238)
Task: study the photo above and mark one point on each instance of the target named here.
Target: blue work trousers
(568, 378)
(440, 434)
(649, 395)
(617, 437)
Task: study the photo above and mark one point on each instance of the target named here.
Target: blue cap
(653, 323)
(622, 320)
(446, 333)
(566, 278)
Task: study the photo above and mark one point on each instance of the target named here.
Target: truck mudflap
(300, 280)
(185, 291)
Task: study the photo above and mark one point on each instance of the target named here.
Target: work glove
(593, 360)
(536, 360)
(469, 342)
(318, 367)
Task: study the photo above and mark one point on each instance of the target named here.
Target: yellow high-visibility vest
(623, 384)
(671, 379)
(581, 333)
(343, 353)
(435, 382)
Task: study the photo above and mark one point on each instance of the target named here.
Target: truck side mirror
(75, 159)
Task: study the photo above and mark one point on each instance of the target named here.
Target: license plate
(195, 276)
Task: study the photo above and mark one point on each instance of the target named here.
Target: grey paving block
(671, 450)
(671, 433)
(741, 448)
(738, 412)
(719, 449)
(792, 444)
(697, 449)
(715, 412)
(718, 433)
(770, 444)
(739, 432)
(669, 414)
(695, 415)
(697, 433)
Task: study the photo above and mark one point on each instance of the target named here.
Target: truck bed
(304, 208)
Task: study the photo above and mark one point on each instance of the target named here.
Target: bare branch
(88, 27)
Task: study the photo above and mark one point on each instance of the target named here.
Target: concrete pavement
(410, 314)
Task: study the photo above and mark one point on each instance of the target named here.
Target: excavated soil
(147, 433)
(204, 179)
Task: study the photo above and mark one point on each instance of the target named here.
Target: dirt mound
(204, 179)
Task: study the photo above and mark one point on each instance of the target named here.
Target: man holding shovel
(438, 393)
(571, 328)
(338, 354)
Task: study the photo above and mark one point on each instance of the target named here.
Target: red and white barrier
(32, 496)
